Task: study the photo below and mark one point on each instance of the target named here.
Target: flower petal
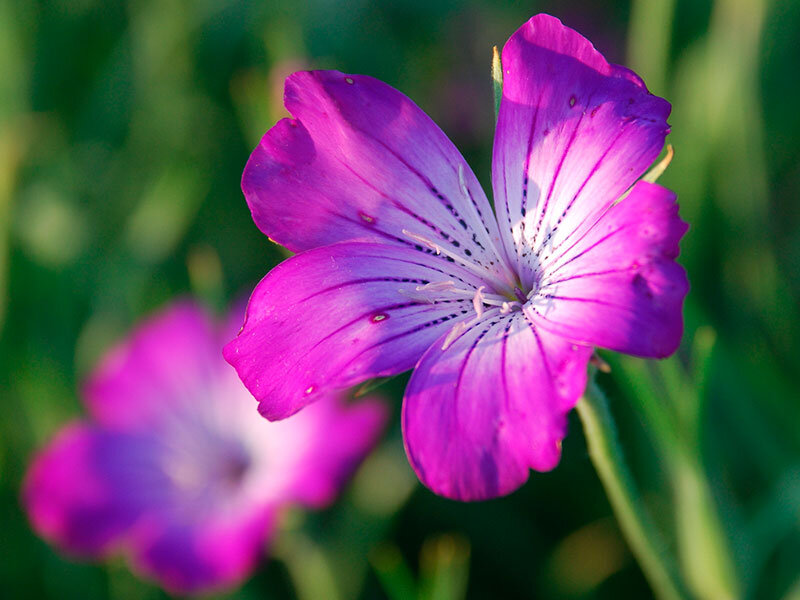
(479, 415)
(573, 133)
(362, 161)
(619, 286)
(168, 360)
(211, 555)
(82, 493)
(337, 315)
(343, 435)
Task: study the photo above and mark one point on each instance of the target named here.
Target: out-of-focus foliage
(124, 128)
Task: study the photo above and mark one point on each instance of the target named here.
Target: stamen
(462, 182)
(507, 307)
(436, 286)
(455, 332)
(477, 301)
(469, 265)
(441, 290)
(422, 240)
(460, 327)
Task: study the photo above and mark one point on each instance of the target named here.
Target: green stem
(637, 527)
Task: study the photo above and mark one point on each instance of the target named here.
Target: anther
(462, 182)
(455, 332)
(436, 286)
(477, 301)
(422, 240)
(507, 307)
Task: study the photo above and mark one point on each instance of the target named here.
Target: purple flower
(403, 263)
(176, 470)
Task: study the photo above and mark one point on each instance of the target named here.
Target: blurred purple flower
(403, 264)
(176, 470)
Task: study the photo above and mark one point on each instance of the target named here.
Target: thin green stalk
(637, 527)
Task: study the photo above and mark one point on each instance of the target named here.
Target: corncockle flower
(403, 263)
(176, 470)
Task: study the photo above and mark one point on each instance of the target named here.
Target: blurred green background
(124, 129)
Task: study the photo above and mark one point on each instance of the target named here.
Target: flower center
(206, 468)
(485, 304)
(507, 292)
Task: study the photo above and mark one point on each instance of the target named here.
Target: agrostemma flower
(175, 469)
(404, 264)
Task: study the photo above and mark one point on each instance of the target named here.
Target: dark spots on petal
(377, 318)
(467, 251)
(404, 280)
(546, 132)
(367, 218)
(463, 223)
(593, 113)
(441, 320)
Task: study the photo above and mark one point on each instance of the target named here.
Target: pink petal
(573, 133)
(343, 435)
(619, 286)
(362, 161)
(210, 555)
(83, 491)
(170, 359)
(337, 315)
(480, 414)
